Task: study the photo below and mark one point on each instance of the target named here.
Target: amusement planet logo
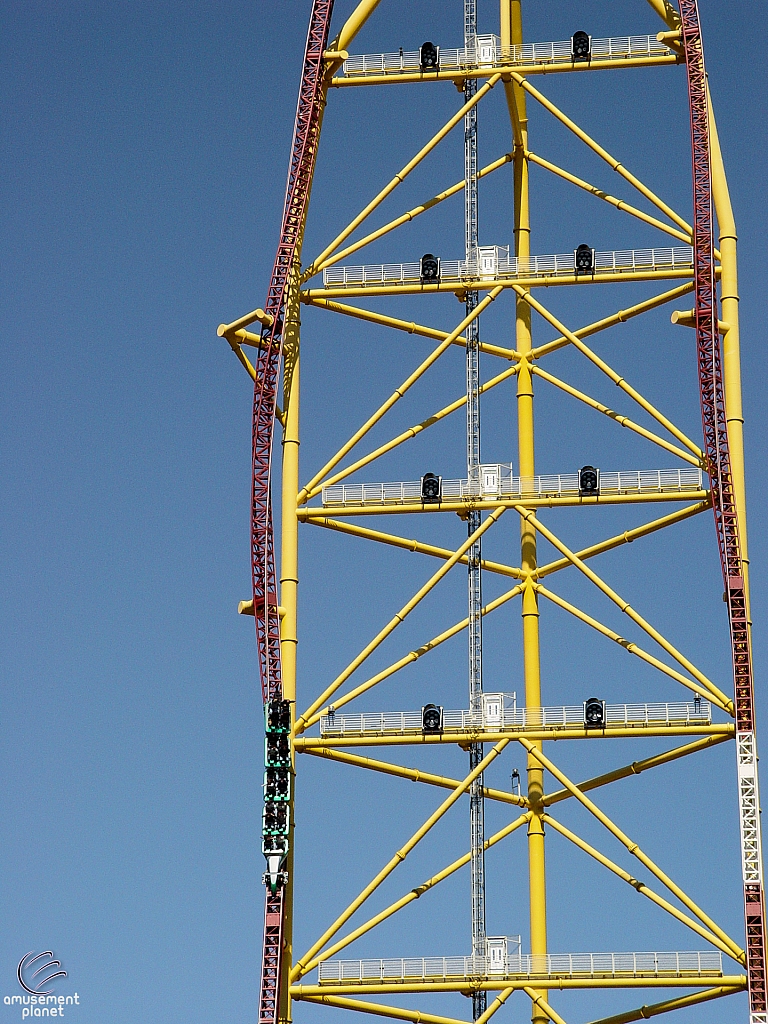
(35, 972)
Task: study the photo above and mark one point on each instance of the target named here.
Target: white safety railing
(562, 965)
(502, 485)
(617, 716)
(510, 267)
(488, 53)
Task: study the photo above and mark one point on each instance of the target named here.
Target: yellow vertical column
(289, 579)
(512, 34)
(729, 307)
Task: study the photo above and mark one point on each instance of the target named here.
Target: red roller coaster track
(304, 151)
(719, 463)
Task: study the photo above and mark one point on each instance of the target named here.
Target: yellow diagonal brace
(380, 1010)
(603, 154)
(623, 605)
(632, 648)
(620, 317)
(412, 774)
(633, 848)
(420, 370)
(419, 329)
(637, 885)
(497, 1003)
(400, 856)
(617, 379)
(619, 204)
(625, 538)
(402, 174)
(646, 1012)
(353, 24)
(414, 894)
(539, 1000)
(666, 12)
(430, 645)
(412, 545)
(301, 723)
(412, 432)
(636, 768)
(406, 217)
(623, 421)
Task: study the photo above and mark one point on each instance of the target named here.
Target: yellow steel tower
(358, 496)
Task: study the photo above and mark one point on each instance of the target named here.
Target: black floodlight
(278, 718)
(581, 46)
(589, 481)
(277, 784)
(594, 713)
(431, 486)
(431, 718)
(278, 751)
(584, 259)
(429, 269)
(429, 57)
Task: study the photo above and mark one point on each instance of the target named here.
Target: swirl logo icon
(40, 976)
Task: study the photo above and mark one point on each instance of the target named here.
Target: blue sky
(144, 152)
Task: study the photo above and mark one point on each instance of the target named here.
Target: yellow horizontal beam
(484, 284)
(318, 512)
(412, 774)
(731, 981)
(619, 317)
(426, 77)
(637, 767)
(724, 729)
(413, 328)
(257, 316)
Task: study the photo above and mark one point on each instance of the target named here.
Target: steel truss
(283, 979)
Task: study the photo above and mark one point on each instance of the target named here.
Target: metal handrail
(616, 715)
(488, 52)
(644, 481)
(555, 265)
(565, 965)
